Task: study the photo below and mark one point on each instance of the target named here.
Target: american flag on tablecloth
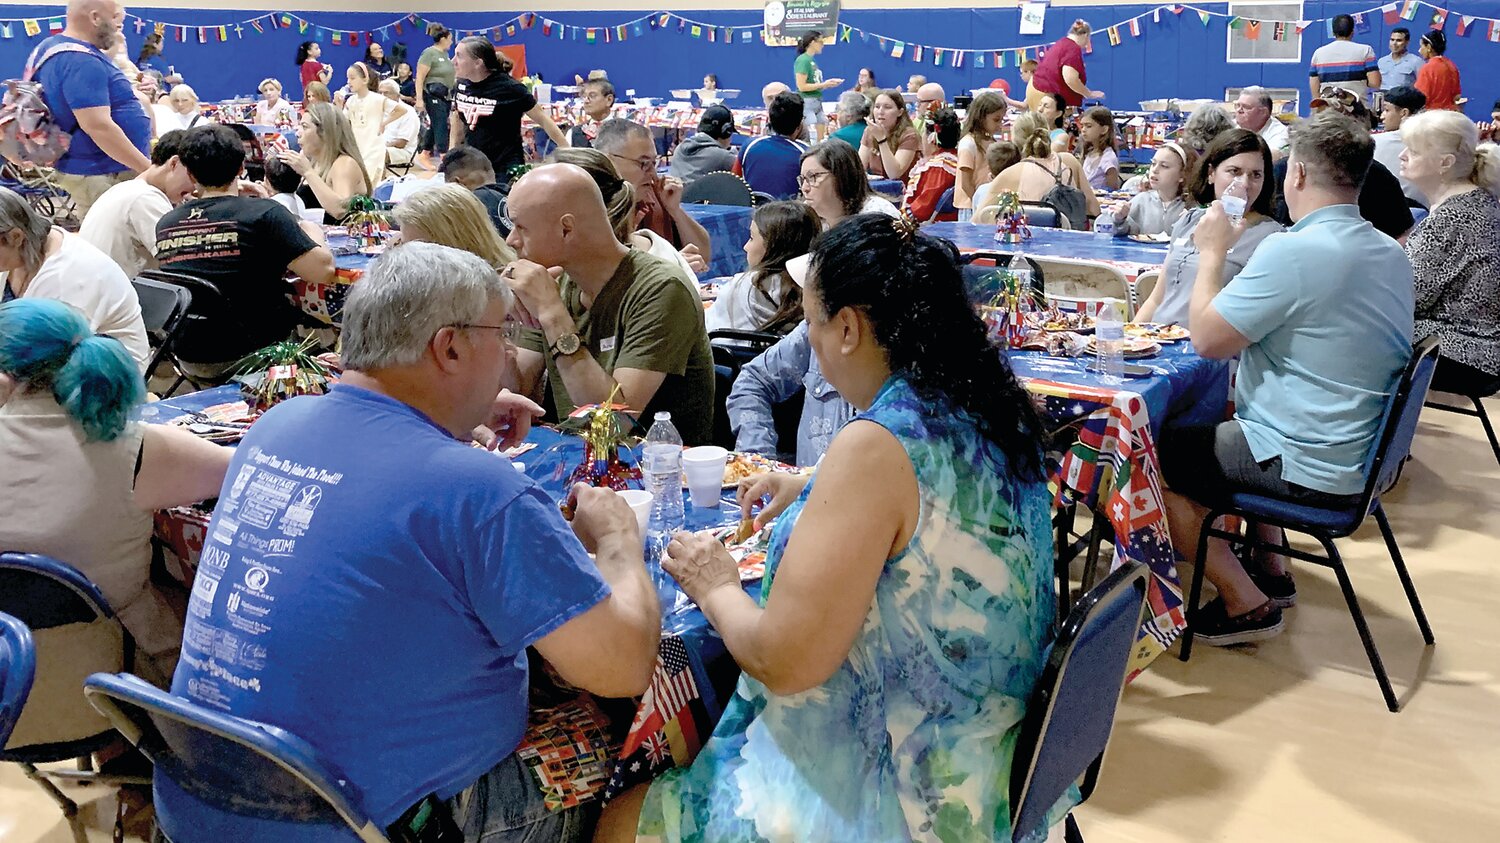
(665, 732)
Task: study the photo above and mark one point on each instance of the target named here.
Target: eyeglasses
(811, 179)
(646, 165)
(510, 330)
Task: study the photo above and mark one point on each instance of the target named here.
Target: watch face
(567, 344)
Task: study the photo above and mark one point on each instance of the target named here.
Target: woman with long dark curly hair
(920, 554)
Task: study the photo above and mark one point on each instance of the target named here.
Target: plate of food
(1132, 347)
(742, 466)
(1157, 331)
(748, 547)
(1163, 237)
(1054, 321)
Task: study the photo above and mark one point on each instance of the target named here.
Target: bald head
(770, 91)
(931, 97)
(559, 215)
(95, 21)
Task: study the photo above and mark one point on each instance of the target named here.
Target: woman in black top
(375, 59)
(488, 105)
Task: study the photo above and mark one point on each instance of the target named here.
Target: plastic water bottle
(1020, 269)
(1235, 200)
(662, 466)
(1104, 225)
(1109, 342)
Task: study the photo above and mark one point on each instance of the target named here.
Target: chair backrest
(17, 670)
(1085, 281)
(231, 765)
(718, 189)
(732, 349)
(1399, 427)
(163, 307)
(1072, 712)
(207, 301)
(1144, 284)
(1044, 216)
(75, 633)
(944, 206)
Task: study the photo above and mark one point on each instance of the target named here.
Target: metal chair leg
(1406, 583)
(1196, 592)
(1071, 834)
(1337, 563)
(1489, 430)
(68, 806)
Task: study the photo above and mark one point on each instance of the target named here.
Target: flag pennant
(562, 32)
(140, 26)
(844, 35)
(546, 28)
(528, 20)
(979, 59)
(916, 53)
(1391, 13)
(999, 60)
(354, 39)
(1409, 10)
(223, 33)
(591, 35)
(696, 31)
(1361, 24)
(510, 30)
(896, 50)
(1114, 36)
(1495, 31)
(1236, 22)
(638, 29)
(286, 20)
(255, 25)
(1203, 16)
(1464, 22)
(713, 35)
(32, 28)
(54, 26)
(338, 37)
(748, 35)
(1135, 27)
(1156, 15)
(937, 56)
(181, 34)
(681, 25)
(1301, 25)
(1278, 31)
(202, 35)
(958, 58)
(1439, 18)
(5, 32)
(302, 27)
(1328, 26)
(1177, 10)
(1252, 30)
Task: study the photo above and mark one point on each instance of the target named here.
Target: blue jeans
(505, 806)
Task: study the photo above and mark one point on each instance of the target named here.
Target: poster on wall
(1033, 17)
(788, 20)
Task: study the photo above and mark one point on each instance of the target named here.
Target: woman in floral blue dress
(908, 597)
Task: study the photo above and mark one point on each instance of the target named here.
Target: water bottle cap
(662, 416)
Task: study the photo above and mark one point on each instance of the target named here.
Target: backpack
(28, 132)
(1066, 199)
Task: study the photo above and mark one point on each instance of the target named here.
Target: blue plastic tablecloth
(1051, 243)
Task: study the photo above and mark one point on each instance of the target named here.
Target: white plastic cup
(704, 468)
(640, 504)
(313, 215)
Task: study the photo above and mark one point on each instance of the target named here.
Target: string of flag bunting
(1253, 29)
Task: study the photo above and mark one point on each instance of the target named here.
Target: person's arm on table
(861, 511)
(316, 266)
(609, 650)
(108, 136)
(769, 379)
(688, 228)
(177, 468)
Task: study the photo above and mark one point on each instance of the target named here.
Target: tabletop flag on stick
(1439, 18)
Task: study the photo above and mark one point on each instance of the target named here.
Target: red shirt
(1048, 77)
(1438, 79)
(311, 70)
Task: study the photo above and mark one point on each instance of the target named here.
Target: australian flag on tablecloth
(666, 732)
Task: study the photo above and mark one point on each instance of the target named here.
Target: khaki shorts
(86, 190)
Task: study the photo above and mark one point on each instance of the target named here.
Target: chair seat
(1338, 522)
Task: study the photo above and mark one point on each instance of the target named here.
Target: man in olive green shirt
(619, 318)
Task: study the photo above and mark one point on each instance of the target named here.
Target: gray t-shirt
(1181, 268)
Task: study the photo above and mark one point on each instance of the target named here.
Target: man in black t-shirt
(488, 105)
(243, 246)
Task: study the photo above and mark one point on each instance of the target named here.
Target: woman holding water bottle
(1235, 170)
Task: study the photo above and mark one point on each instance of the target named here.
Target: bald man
(94, 102)
(620, 318)
(930, 97)
(770, 91)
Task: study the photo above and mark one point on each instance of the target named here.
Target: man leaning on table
(371, 582)
(1321, 318)
(621, 318)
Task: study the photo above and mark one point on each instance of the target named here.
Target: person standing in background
(1438, 78)
(1344, 63)
(811, 84)
(1061, 70)
(488, 106)
(434, 93)
(1401, 66)
(375, 60)
(312, 70)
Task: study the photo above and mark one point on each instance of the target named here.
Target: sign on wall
(1033, 18)
(788, 20)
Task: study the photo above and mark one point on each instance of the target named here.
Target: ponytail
(1031, 137)
(617, 193)
(46, 344)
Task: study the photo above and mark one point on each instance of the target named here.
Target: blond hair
(1451, 133)
(338, 140)
(1030, 134)
(449, 215)
(269, 80)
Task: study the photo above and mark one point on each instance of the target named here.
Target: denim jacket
(774, 377)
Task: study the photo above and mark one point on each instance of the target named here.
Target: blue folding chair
(75, 633)
(1072, 711)
(1382, 470)
(944, 206)
(223, 767)
(17, 670)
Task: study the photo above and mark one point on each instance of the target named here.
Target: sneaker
(1214, 627)
(1281, 588)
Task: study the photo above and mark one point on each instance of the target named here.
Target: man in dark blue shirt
(770, 164)
(92, 100)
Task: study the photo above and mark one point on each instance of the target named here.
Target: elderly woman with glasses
(832, 181)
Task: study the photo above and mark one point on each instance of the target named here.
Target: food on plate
(1152, 238)
(1157, 331)
(744, 466)
(1132, 347)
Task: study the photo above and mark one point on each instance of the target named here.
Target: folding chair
(75, 634)
(163, 307)
(1072, 711)
(17, 671)
(944, 207)
(1477, 396)
(214, 768)
(1037, 216)
(718, 189)
(207, 304)
(732, 350)
(1145, 283)
(1382, 470)
(1083, 285)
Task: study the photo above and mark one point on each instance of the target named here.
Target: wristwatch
(566, 344)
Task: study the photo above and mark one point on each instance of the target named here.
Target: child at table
(282, 183)
(1101, 164)
(1156, 209)
(764, 297)
(1001, 155)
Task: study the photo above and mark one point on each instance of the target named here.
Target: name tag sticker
(606, 345)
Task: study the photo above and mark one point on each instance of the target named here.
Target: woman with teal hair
(81, 480)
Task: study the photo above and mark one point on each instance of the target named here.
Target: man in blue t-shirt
(1321, 318)
(92, 100)
(371, 581)
(770, 164)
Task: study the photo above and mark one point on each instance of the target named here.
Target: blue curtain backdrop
(1177, 57)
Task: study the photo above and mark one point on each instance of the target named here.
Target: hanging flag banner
(5, 32)
(32, 28)
(916, 52)
(1252, 30)
(1409, 10)
(1391, 12)
(937, 56)
(979, 60)
(1278, 32)
(1464, 22)
(1135, 27)
(1203, 16)
(786, 21)
(1361, 23)
(896, 50)
(1033, 18)
(1439, 18)
(1495, 31)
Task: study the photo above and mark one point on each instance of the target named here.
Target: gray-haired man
(371, 582)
